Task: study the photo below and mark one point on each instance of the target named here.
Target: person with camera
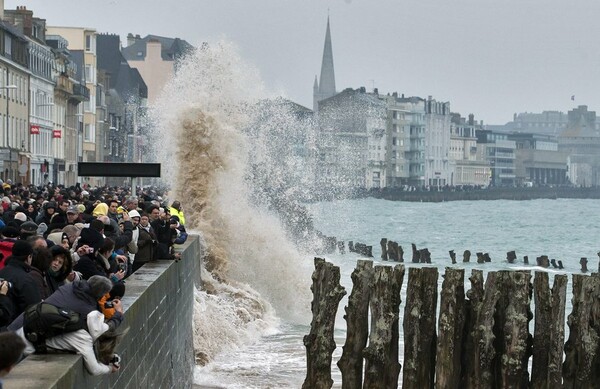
(81, 297)
(23, 291)
(7, 309)
(99, 259)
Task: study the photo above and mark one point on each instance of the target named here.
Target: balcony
(64, 84)
(80, 92)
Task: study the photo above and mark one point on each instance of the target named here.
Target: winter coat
(24, 291)
(146, 244)
(7, 311)
(40, 281)
(80, 341)
(89, 265)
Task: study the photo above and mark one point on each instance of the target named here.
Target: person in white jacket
(80, 342)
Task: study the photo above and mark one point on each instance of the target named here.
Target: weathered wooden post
(511, 256)
(351, 246)
(583, 262)
(598, 261)
(451, 328)
(526, 260)
(473, 306)
(369, 251)
(341, 247)
(486, 257)
(420, 328)
(511, 329)
(415, 253)
(452, 256)
(582, 362)
(549, 331)
(480, 257)
(391, 251)
(553, 263)
(466, 256)
(480, 370)
(382, 367)
(319, 343)
(544, 262)
(384, 249)
(400, 254)
(560, 264)
(357, 324)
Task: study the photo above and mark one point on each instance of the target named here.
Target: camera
(123, 266)
(90, 250)
(8, 282)
(115, 360)
(108, 305)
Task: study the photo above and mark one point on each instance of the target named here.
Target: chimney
(1, 9)
(130, 38)
(471, 119)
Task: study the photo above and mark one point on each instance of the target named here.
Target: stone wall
(157, 351)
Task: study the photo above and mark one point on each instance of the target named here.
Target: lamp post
(7, 144)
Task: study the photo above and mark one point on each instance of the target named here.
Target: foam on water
(252, 274)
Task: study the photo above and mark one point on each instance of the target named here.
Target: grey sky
(488, 57)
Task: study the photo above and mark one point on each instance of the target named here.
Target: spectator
(146, 243)
(73, 215)
(81, 297)
(23, 292)
(176, 210)
(7, 308)
(60, 270)
(11, 350)
(39, 268)
(45, 216)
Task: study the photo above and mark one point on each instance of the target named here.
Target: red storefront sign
(56, 133)
(34, 130)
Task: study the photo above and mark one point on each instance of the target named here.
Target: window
(89, 73)
(7, 45)
(87, 132)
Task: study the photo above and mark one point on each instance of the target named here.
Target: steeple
(326, 85)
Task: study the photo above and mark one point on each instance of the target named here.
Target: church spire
(325, 88)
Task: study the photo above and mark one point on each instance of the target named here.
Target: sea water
(226, 154)
(562, 229)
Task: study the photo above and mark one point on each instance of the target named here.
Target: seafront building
(467, 169)
(156, 58)
(69, 95)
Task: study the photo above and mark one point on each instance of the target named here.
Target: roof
(171, 48)
(12, 29)
(124, 78)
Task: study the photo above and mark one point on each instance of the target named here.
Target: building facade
(496, 149)
(467, 168)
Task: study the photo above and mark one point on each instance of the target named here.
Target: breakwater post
(319, 343)
(481, 339)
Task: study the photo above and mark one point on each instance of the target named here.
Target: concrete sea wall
(157, 351)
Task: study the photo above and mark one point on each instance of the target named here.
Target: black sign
(117, 169)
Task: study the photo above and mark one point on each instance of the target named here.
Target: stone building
(499, 151)
(538, 161)
(467, 169)
(14, 102)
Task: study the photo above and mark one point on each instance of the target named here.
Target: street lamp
(9, 170)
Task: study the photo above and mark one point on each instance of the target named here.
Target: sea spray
(203, 139)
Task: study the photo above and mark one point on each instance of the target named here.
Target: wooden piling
(391, 248)
(420, 328)
(486, 257)
(583, 262)
(466, 256)
(357, 325)
(480, 375)
(582, 360)
(548, 333)
(511, 256)
(415, 253)
(400, 254)
(319, 343)
(384, 249)
(451, 328)
(472, 308)
(480, 258)
(382, 367)
(526, 260)
(452, 256)
(511, 328)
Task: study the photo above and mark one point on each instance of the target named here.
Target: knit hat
(29, 227)
(21, 249)
(92, 238)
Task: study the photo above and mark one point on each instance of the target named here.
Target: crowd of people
(73, 248)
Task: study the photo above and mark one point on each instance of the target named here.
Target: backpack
(5, 250)
(43, 320)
